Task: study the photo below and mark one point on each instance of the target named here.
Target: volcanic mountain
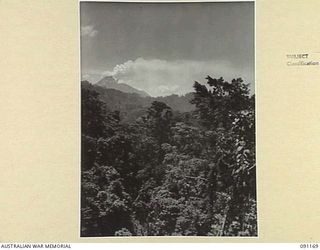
(109, 82)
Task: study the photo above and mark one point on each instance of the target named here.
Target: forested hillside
(158, 166)
(133, 105)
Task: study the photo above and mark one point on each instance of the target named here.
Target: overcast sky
(163, 48)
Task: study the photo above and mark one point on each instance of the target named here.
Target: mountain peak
(109, 82)
(110, 79)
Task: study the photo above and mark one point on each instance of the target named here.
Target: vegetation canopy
(153, 166)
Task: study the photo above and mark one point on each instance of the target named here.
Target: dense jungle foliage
(169, 172)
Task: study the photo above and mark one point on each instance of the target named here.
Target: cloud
(161, 77)
(88, 31)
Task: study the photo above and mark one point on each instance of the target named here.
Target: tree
(92, 113)
(228, 111)
(218, 105)
(105, 206)
(159, 118)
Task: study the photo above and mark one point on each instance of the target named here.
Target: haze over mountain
(109, 82)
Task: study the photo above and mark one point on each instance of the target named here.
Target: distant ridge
(109, 82)
(132, 105)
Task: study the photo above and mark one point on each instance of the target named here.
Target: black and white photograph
(168, 134)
